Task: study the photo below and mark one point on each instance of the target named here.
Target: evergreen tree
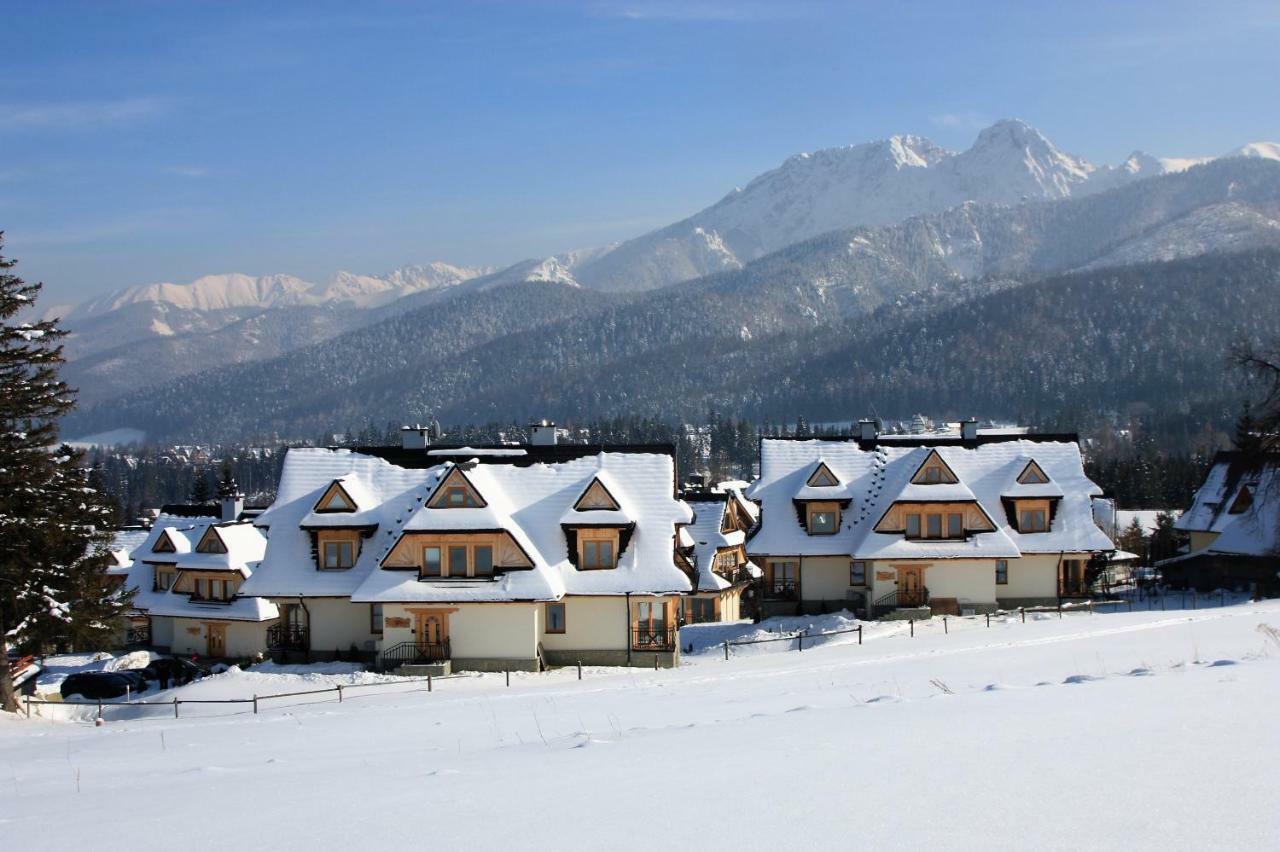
(200, 491)
(51, 523)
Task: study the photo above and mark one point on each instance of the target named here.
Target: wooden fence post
(945, 631)
(726, 649)
(508, 677)
(1023, 610)
(859, 634)
(579, 669)
(800, 640)
(339, 693)
(428, 683)
(28, 699)
(255, 704)
(175, 707)
(988, 615)
(912, 624)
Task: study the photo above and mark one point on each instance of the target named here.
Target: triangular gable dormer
(335, 499)
(1242, 502)
(735, 517)
(1033, 474)
(211, 542)
(163, 544)
(596, 497)
(822, 477)
(934, 471)
(456, 492)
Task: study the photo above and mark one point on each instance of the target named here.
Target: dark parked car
(173, 671)
(93, 685)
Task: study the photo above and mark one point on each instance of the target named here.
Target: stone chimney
(415, 437)
(542, 433)
(969, 429)
(868, 430)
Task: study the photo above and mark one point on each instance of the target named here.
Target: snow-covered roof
(529, 502)
(708, 538)
(123, 543)
(363, 510)
(880, 475)
(1254, 530)
(245, 546)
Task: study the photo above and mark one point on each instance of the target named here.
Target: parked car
(175, 670)
(95, 685)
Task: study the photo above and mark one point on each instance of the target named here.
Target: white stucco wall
(161, 631)
(337, 624)
(494, 631)
(243, 638)
(824, 577)
(591, 623)
(967, 580)
(1032, 576)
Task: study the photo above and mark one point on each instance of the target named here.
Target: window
(700, 610)
(431, 562)
(457, 560)
(857, 573)
(375, 618)
(211, 590)
(1002, 572)
(555, 618)
(597, 554)
(338, 555)
(933, 475)
(913, 526)
(822, 523)
(482, 560)
(955, 525)
(164, 580)
(934, 528)
(457, 497)
(201, 589)
(652, 615)
(1032, 521)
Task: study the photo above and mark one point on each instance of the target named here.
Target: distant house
(485, 558)
(188, 573)
(888, 524)
(716, 546)
(1234, 527)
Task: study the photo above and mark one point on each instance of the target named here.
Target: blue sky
(162, 141)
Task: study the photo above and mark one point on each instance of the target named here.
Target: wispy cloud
(961, 120)
(74, 115)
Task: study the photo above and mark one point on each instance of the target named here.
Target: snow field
(1111, 731)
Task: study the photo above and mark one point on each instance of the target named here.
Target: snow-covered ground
(1107, 731)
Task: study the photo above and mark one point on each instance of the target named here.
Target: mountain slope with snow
(876, 183)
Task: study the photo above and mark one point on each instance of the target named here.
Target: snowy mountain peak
(1259, 150)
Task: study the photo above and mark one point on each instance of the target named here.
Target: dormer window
(335, 499)
(211, 542)
(937, 525)
(456, 492)
(338, 555)
(822, 477)
(822, 522)
(1033, 474)
(597, 554)
(934, 471)
(163, 544)
(1032, 521)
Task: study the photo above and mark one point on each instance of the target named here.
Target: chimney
(969, 429)
(415, 437)
(542, 433)
(868, 430)
(230, 498)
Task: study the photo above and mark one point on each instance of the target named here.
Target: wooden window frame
(596, 537)
(1002, 572)
(823, 509)
(375, 619)
(171, 576)
(338, 544)
(906, 525)
(1038, 525)
(955, 531)
(930, 519)
(439, 549)
(554, 606)
(857, 568)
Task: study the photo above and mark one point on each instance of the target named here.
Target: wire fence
(1154, 599)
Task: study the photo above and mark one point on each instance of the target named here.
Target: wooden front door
(216, 640)
(910, 585)
(433, 628)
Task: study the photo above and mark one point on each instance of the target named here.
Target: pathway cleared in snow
(1121, 731)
